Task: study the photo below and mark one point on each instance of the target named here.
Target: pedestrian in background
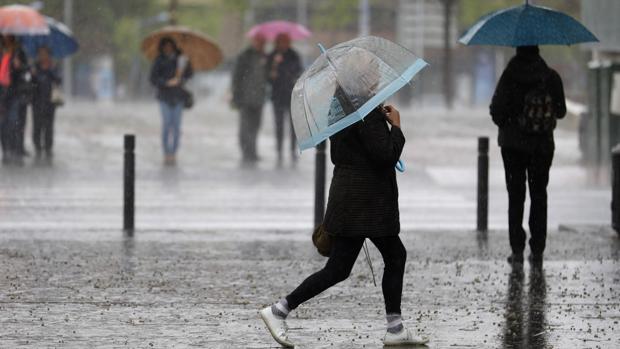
(16, 79)
(45, 80)
(169, 73)
(528, 100)
(5, 79)
(248, 95)
(284, 67)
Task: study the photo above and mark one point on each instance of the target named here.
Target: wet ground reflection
(526, 330)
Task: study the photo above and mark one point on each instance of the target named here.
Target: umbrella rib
(307, 109)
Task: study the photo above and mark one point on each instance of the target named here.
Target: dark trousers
(249, 124)
(9, 130)
(533, 167)
(21, 128)
(282, 116)
(341, 260)
(43, 127)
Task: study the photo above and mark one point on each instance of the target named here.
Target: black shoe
(515, 258)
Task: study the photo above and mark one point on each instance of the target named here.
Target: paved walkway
(166, 289)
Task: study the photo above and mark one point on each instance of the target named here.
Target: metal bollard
(129, 179)
(483, 183)
(615, 188)
(319, 184)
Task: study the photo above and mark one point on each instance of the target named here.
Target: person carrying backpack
(528, 100)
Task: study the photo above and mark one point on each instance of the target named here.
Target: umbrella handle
(400, 166)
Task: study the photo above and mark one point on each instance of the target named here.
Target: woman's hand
(173, 82)
(392, 115)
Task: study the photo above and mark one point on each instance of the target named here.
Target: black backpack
(539, 114)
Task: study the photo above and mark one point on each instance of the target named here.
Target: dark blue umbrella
(60, 40)
(527, 25)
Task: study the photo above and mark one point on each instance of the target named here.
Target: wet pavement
(168, 289)
(215, 242)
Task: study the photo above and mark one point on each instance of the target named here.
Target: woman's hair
(167, 40)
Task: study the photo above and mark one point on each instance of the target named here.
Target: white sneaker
(277, 327)
(404, 337)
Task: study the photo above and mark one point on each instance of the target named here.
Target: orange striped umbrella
(22, 20)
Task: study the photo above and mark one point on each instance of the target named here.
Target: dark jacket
(20, 89)
(164, 69)
(524, 72)
(363, 197)
(249, 79)
(43, 81)
(287, 73)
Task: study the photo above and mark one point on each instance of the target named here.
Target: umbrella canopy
(22, 20)
(60, 40)
(346, 83)
(527, 25)
(203, 53)
(270, 30)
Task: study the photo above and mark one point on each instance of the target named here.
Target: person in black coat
(170, 72)
(45, 78)
(363, 203)
(249, 85)
(527, 152)
(16, 96)
(284, 67)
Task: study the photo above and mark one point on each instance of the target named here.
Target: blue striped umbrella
(60, 40)
(527, 25)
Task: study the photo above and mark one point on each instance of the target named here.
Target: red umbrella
(22, 20)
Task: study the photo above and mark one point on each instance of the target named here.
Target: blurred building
(600, 126)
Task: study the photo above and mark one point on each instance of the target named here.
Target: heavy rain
(267, 173)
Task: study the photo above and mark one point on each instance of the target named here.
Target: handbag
(322, 241)
(57, 97)
(188, 98)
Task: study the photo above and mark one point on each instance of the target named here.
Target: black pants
(533, 166)
(282, 116)
(21, 128)
(43, 127)
(249, 124)
(341, 260)
(10, 125)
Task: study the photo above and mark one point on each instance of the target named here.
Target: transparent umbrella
(346, 83)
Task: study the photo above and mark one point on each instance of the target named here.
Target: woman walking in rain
(170, 72)
(363, 203)
(284, 67)
(45, 78)
(363, 197)
(528, 99)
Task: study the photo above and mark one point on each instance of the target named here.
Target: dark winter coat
(363, 197)
(20, 89)
(287, 73)
(523, 73)
(249, 80)
(164, 69)
(43, 81)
